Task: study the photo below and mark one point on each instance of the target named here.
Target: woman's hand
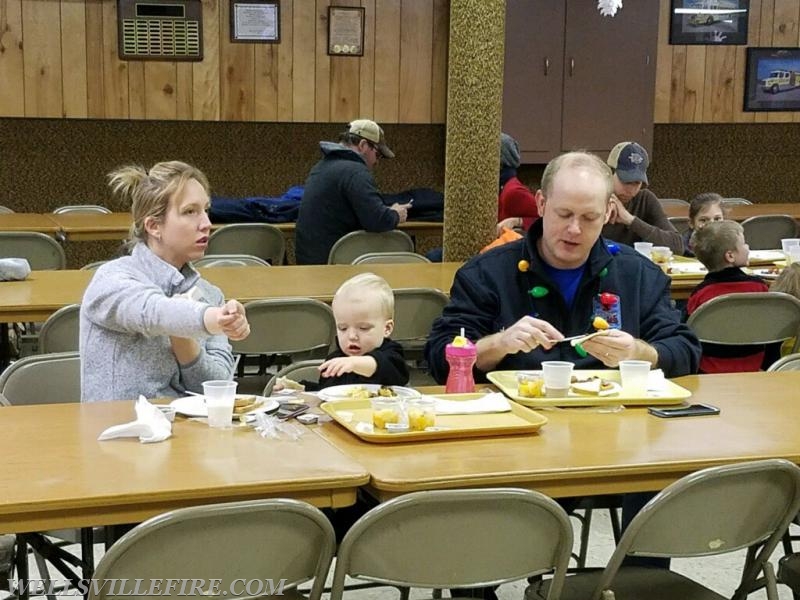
(229, 319)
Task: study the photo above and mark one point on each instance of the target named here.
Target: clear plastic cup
(220, 396)
(388, 413)
(661, 255)
(634, 375)
(557, 376)
(421, 413)
(787, 244)
(643, 248)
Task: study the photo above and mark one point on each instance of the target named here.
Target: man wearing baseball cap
(636, 214)
(340, 193)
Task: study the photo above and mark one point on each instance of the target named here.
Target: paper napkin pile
(150, 425)
(490, 403)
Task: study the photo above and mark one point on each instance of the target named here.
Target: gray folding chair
(680, 223)
(713, 511)
(41, 251)
(257, 239)
(4, 210)
(789, 573)
(92, 266)
(82, 208)
(790, 362)
(673, 202)
(735, 202)
(294, 328)
(765, 232)
(382, 258)
(457, 539)
(59, 333)
(748, 318)
(240, 544)
(304, 370)
(415, 309)
(230, 260)
(357, 243)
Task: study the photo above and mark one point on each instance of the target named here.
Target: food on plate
(386, 392)
(600, 323)
(592, 385)
(530, 387)
(243, 404)
(359, 392)
(382, 416)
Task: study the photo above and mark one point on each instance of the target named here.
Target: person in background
(721, 247)
(340, 194)
(149, 324)
(363, 307)
(516, 204)
(636, 214)
(704, 209)
(788, 282)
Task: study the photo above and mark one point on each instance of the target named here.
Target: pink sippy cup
(461, 355)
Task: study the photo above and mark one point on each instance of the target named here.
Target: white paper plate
(764, 273)
(343, 392)
(195, 406)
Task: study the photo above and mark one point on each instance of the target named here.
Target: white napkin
(150, 425)
(14, 269)
(656, 381)
(490, 403)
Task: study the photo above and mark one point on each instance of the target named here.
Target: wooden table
(740, 212)
(42, 223)
(55, 474)
(44, 292)
(581, 452)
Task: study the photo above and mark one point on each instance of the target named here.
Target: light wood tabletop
(584, 452)
(44, 292)
(55, 474)
(42, 223)
(740, 212)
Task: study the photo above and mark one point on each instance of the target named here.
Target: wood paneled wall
(705, 84)
(58, 58)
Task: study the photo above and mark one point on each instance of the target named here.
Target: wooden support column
(474, 111)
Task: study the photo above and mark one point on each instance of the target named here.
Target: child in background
(363, 307)
(721, 247)
(704, 209)
(788, 282)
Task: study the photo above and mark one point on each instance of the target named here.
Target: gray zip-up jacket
(128, 312)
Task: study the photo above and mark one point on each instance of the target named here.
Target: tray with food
(765, 272)
(600, 387)
(686, 270)
(437, 417)
(195, 406)
(365, 391)
(765, 257)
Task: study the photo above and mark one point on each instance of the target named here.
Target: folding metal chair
(263, 240)
(357, 243)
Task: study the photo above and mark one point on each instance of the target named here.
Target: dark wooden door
(533, 76)
(609, 75)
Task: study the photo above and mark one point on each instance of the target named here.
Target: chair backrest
(765, 232)
(747, 318)
(714, 511)
(93, 265)
(4, 210)
(60, 331)
(82, 208)
(304, 370)
(302, 328)
(389, 257)
(241, 544)
(230, 260)
(42, 379)
(415, 309)
(457, 539)
(673, 202)
(790, 362)
(735, 202)
(257, 239)
(680, 223)
(356, 243)
(41, 251)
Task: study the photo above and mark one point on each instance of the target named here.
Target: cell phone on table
(289, 411)
(693, 410)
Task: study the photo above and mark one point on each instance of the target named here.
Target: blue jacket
(490, 293)
(340, 196)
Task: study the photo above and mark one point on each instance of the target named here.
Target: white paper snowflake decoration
(609, 8)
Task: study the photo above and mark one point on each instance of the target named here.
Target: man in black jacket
(340, 194)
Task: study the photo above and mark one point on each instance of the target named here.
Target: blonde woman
(149, 324)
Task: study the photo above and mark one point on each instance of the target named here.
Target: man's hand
(617, 346)
(402, 210)
(523, 336)
(618, 213)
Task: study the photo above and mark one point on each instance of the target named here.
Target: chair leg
(404, 593)
(583, 548)
(616, 526)
(44, 574)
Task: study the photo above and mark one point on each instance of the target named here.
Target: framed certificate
(255, 21)
(345, 31)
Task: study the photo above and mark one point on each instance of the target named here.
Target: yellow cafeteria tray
(349, 413)
(671, 394)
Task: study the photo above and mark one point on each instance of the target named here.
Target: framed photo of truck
(709, 22)
(772, 81)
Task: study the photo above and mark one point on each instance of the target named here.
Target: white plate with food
(195, 406)
(364, 391)
(766, 273)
